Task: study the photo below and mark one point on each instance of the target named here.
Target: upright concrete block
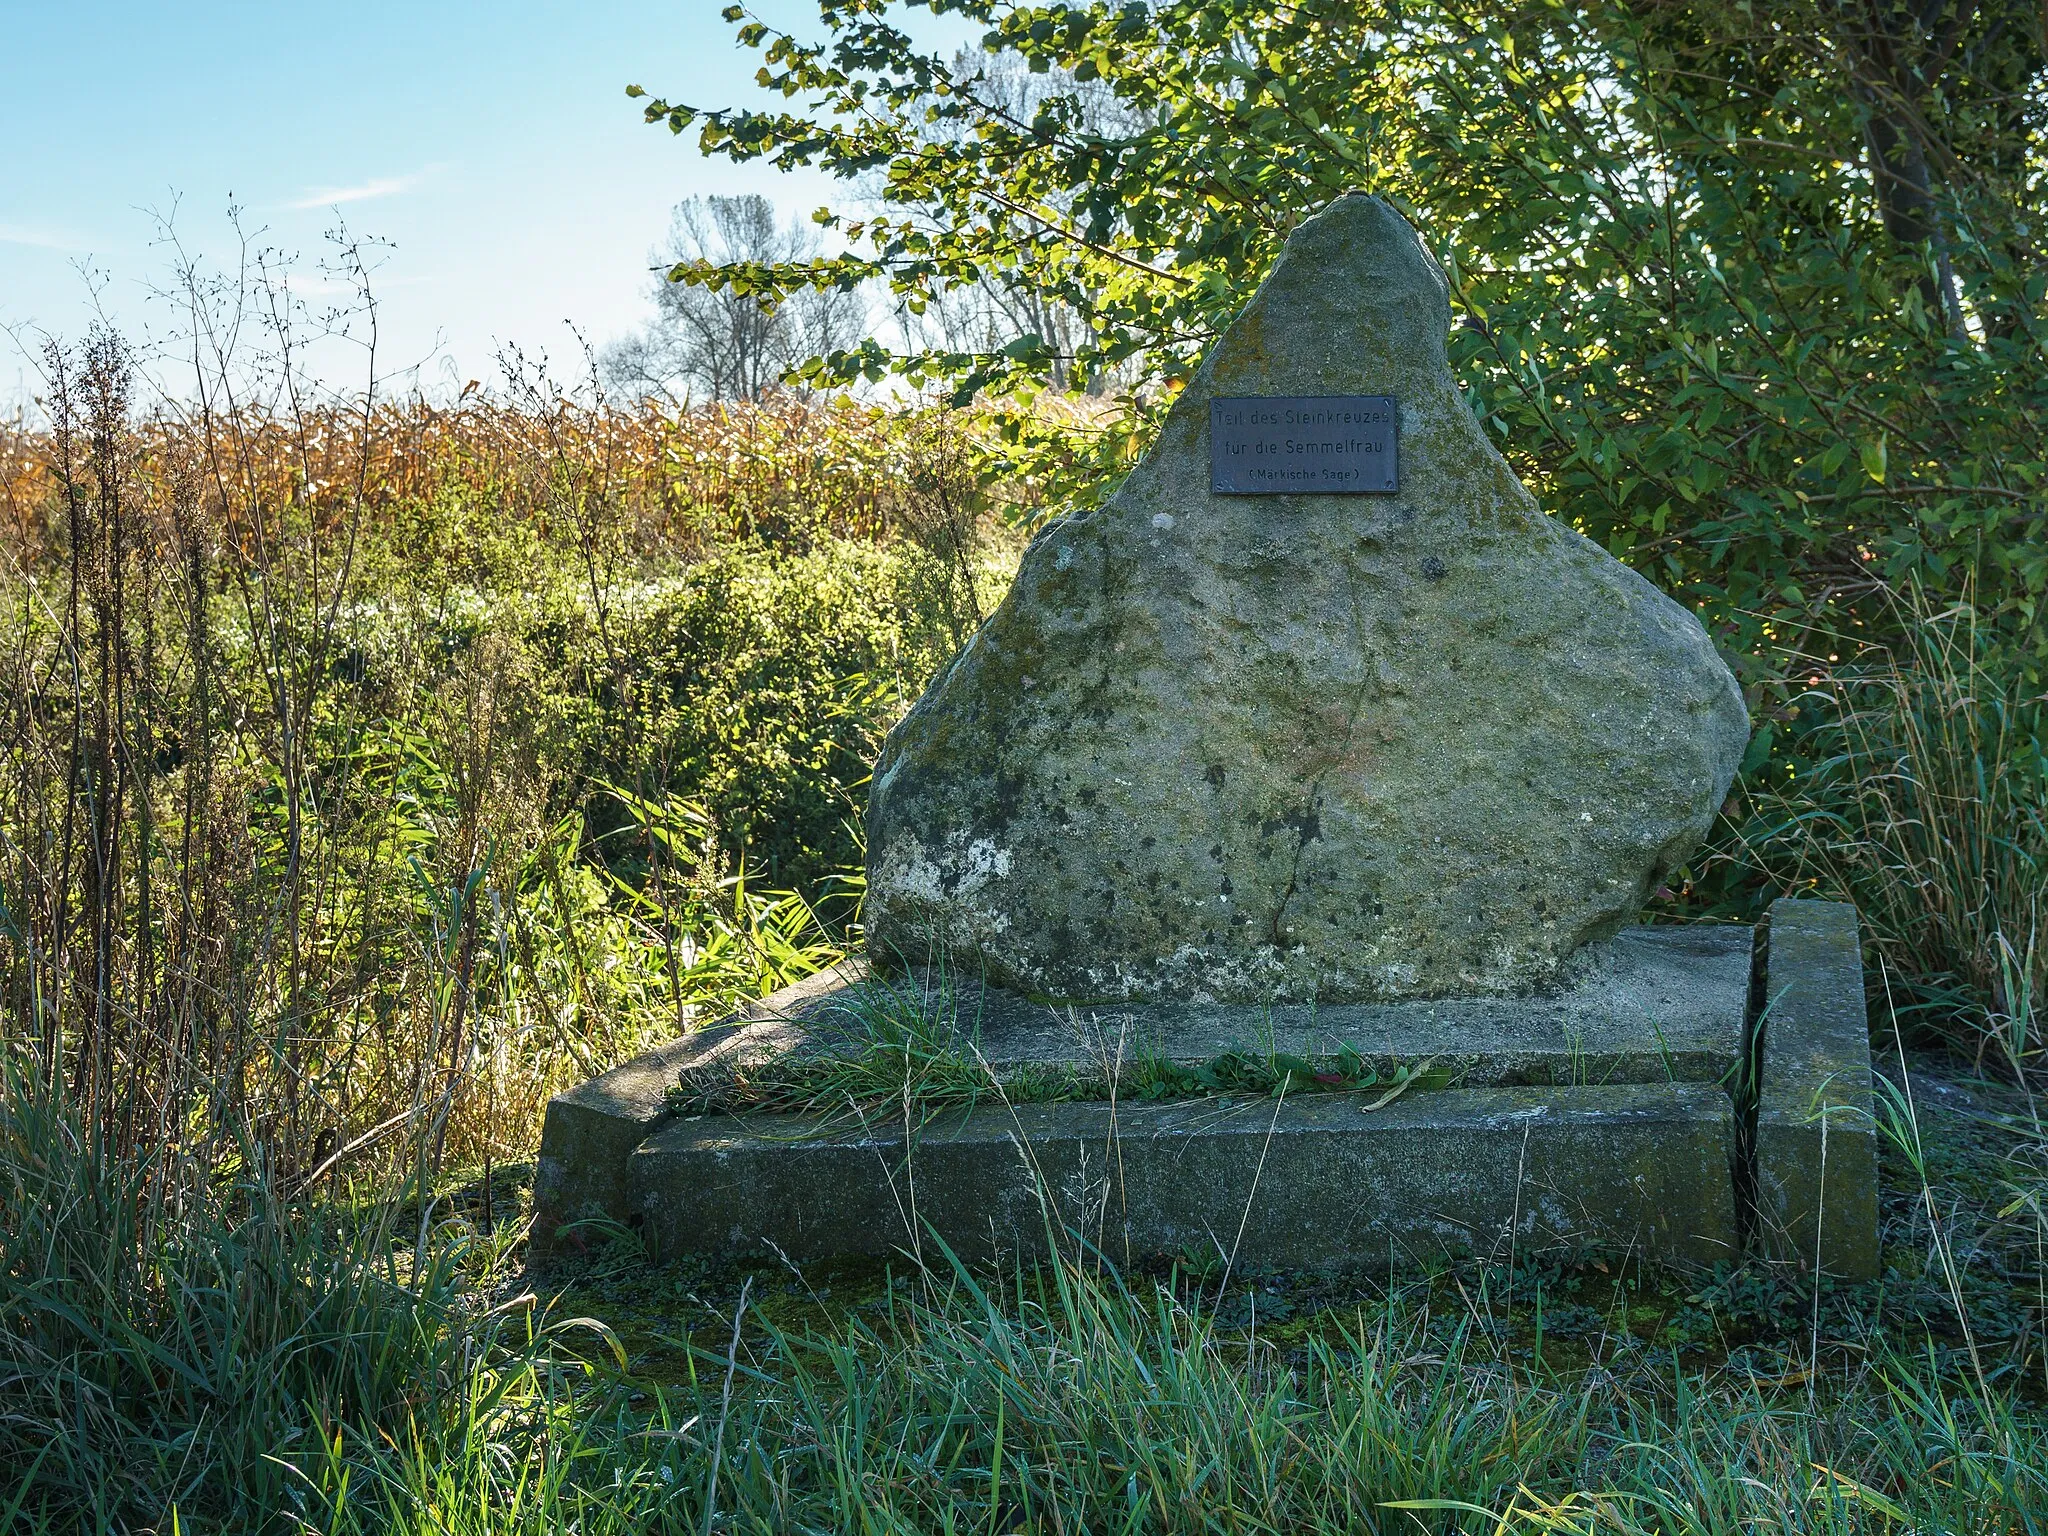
(1816, 1132)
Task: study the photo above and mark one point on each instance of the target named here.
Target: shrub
(1750, 293)
(759, 686)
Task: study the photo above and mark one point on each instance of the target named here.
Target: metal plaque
(1327, 445)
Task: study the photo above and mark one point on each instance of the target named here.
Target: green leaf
(1759, 750)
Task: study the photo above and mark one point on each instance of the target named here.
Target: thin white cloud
(362, 192)
(41, 236)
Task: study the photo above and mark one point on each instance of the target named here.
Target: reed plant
(1914, 783)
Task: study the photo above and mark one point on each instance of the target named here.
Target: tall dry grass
(785, 466)
(264, 938)
(234, 894)
(1920, 793)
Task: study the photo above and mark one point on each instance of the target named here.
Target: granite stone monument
(1318, 706)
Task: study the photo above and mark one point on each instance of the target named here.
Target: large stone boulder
(1304, 746)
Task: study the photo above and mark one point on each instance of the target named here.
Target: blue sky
(492, 144)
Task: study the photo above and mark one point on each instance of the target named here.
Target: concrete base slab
(1612, 1112)
(1650, 1005)
(589, 1132)
(1312, 1181)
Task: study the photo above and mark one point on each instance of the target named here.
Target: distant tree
(723, 343)
(1005, 307)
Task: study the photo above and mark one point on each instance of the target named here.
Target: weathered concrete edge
(590, 1131)
(1313, 1182)
(1816, 1131)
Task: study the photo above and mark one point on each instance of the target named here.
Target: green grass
(1575, 1393)
(383, 1366)
(902, 1046)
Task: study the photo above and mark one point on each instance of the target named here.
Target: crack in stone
(1279, 940)
(1315, 791)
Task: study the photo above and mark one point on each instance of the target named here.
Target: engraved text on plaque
(1341, 444)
